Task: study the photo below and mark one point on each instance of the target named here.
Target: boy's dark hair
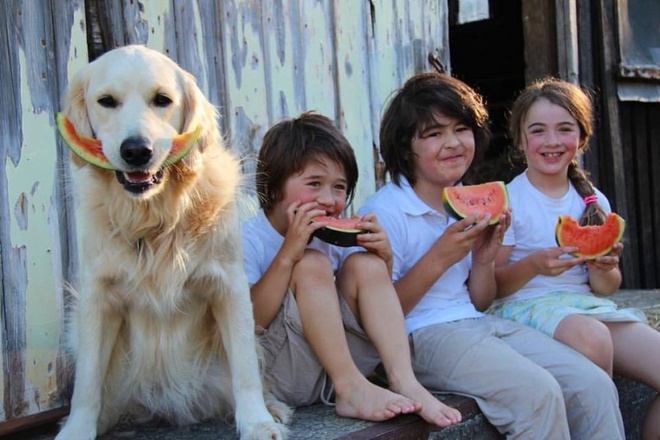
(415, 106)
(291, 144)
(577, 102)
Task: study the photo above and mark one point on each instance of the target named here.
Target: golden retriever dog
(163, 322)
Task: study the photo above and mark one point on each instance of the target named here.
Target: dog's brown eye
(161, 100)
(107, 102)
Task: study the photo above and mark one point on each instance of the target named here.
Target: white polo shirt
(412, 227)
(261, 242)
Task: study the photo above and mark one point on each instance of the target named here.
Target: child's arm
(452, 246)
(511, 277)
(604, 273)
(481, 283)
(268, 292)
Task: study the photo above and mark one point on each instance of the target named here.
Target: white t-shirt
(412, 227)
(533, 220)
(261, 242)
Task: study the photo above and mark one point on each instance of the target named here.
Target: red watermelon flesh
(486, 198)
(592, 241)
(91, 150)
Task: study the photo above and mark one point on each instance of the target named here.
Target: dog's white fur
(164, 318)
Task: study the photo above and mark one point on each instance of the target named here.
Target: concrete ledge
(320, 422)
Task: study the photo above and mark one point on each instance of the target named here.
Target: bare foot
(366, 401)
(433, 411)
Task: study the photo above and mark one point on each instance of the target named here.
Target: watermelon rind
(337, 231)
(568, 232)
(451, 203)
(182, 144)
(90, 150)
(87, 149)
(338, 237)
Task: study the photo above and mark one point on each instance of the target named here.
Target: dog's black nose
(136, 150)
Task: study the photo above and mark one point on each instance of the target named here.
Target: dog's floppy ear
(198, 111)
(76, 110)
(74, 103)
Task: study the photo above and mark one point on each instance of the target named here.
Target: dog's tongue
(138, 177)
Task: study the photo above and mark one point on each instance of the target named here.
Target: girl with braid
(538, 283)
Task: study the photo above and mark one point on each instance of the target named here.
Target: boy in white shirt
(328, 315)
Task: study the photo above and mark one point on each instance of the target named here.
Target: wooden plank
(186, 41)
(246, 92)
(283, 59)
(631, 249)
(385, 72)
(318, 55)
(35, 255)
(585, 51)
(642, 173)
(653, 116)
(540, 39)
(611, 127)
(352, 82)
(567, 44)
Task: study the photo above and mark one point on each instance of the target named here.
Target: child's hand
(490, 240)
(548, 262)
(375, 240)
(300, 229)
(461, 237)
(607, 262)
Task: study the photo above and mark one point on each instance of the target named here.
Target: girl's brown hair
(290, 145)
(577, 102)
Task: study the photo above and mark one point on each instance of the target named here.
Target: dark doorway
(489, 55)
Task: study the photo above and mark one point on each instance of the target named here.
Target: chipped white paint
(30, 189)
(259, 61)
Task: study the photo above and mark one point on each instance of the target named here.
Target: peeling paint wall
(257, 61)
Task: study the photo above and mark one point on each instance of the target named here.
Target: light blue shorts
(544, 313)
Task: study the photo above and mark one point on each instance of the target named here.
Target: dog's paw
(79, 425)
(76, 431)
(265, 431)
(280, 411)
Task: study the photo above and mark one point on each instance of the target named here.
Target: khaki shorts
(293, 371)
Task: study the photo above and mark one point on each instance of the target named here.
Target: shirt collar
(409, 201)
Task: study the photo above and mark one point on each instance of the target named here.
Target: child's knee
(315, 259)
(590, 337)
(313, 264)
(365, 265)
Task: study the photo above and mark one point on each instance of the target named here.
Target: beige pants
(293, 371)
(527, 384)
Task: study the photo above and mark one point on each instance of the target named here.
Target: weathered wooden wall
(258, 61)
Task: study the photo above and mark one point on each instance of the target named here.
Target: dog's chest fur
(161, 255)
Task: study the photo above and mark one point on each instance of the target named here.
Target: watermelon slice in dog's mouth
(138, 182)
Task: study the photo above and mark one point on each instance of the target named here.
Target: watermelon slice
(592, 241)
(491, 197)
(91, 150)
(88, 149)
(338, 231)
